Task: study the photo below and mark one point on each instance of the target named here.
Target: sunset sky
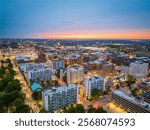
(75, 19)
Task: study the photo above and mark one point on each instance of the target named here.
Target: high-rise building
(58, 98)
(130, 103)
(138, 69)
(125, 68)
(57, 64)
(43, 74)
(75, 74)
(28, 67)
(94, 82)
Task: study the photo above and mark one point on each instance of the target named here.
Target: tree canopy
(11, 97)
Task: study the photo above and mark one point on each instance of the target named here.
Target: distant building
(23, 59)
(73, 59)
(57, 64)
(57, 98)
(119, 58)
(105, 67)
(137, 69)
(103, 56)
(94, 82)
(129, 103)
(41, 58)
(75, 74)
(125, 68)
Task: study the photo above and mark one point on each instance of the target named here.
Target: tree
(8, 60)
(76, 108)
(117, 86)
(23, 109)
(13, 85)
(2, 61)
(10, 65)
(43, 111)
(134, 92)
(65, 78)
(11, 71)
(91, 110)
(16, 103)
(2, 86)
(2, 71)
(96, 110)
(56, 82)
(96, 93)
(107, 90)
(100, 110)
(37, 95)
(130, 80)
(11, 98)
(58, 74)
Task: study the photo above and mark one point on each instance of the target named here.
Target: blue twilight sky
(40, 18)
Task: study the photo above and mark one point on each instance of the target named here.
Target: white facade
(103, 56)
(138, 69)
(57, 64)
(44, 74)
(125, 69)
(94, 82)
(58, 98)
(29, 67)
(75, 74)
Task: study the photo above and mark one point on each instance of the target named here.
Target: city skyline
(75, 19)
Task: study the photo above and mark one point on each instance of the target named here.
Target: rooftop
(36, 87)
(147, 95)
(132, 99)
(60, 88)
(95, 78)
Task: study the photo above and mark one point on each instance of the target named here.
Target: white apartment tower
(75, 74)
(57, 64)
(94, 82)
(43, 74)
(57, 98)
(138, 69)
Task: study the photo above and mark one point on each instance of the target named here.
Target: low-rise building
(129, 103)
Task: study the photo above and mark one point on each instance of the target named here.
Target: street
(26, 90)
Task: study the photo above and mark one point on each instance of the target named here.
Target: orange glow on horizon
(111, 34)
(117, 36)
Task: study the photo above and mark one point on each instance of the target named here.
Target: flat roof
(60, 88)
(147, 95)
(132, 99)
(95, 78)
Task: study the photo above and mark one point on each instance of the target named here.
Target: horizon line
(82, 39)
